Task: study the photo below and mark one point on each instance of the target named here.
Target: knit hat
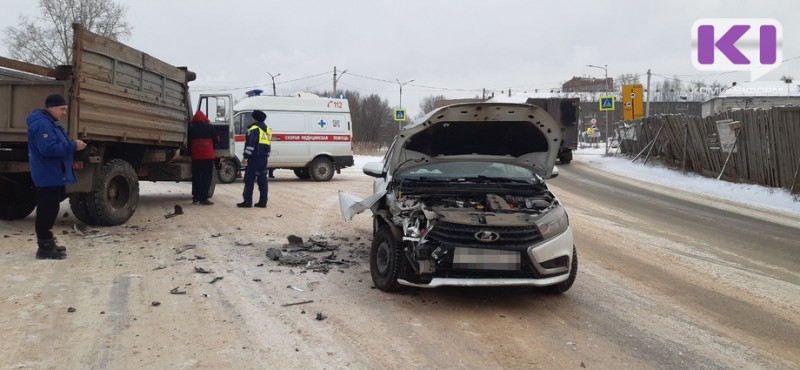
(54, 100)
(200, 117)
(259, 115)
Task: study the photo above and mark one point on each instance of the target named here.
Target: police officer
(256, 151)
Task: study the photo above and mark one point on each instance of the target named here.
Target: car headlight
(553, 223)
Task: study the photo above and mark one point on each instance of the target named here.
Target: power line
(262, 85)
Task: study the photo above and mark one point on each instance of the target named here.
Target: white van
(311, 135)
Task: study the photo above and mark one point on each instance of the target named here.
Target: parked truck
(565, 112)
(131, 109)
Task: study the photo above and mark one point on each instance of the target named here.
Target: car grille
(511, 237)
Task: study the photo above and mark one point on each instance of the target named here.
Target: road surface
(666, 280)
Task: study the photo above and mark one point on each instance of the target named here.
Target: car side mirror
(374, 169)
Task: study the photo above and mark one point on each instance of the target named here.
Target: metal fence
(765, 144)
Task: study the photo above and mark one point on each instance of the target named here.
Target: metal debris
(177, 290)
(295, 260)
(199, 257)
(160, 267)
(320, 316)
(155, 303)
(296, 303)
(295, 288)
(216, 235)
(184, 248)
(257, 280)
(178, 212)
(274, 254)
(202, 270)
(216, 279)
(243, 244)
(71, 309)
(294, 239)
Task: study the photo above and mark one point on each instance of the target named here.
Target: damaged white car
(460, 200)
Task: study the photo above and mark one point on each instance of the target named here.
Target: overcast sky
(448, 47)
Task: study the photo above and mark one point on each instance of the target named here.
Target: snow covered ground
(752, 195)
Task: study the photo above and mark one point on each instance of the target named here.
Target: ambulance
(311, 135)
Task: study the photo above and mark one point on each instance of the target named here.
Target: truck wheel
(564, 286)
(302, 174)
(80, 208)
(386, 261)
(228, 171)
(115, 194)
(564, 160)
(212, 187)
(321, 169)
(17, 197)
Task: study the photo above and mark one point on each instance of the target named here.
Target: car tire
(321, 169)
(387, 263)
(566, 284)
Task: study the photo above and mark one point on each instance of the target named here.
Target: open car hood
(518, 132)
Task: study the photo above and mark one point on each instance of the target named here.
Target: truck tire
(80, 208)
(228, 171)
(321, 169)
(387, 263)
(115, 194)
(564, 160)
(212, 188)
(17, 197)
(302, 174)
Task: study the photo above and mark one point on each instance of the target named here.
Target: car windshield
(467, 171)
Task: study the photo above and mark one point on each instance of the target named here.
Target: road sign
(606, 103)
(400, 114)
(632, 97)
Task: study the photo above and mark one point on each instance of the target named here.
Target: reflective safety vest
(264, 137)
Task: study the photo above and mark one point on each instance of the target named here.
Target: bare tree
(47, 39)
(626, 79)
(428, 102)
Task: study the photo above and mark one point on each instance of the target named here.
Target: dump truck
(131, 109)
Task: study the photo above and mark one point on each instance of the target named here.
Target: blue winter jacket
(49, 151)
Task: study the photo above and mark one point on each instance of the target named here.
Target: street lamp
(608, 91)
(274, 93)
(399, 123)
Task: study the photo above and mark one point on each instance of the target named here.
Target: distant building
(749, 95)
(585, 84)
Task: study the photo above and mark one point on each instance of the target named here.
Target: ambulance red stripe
(303, 137)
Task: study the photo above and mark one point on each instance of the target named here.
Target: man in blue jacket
(257, 146)
(50, 156)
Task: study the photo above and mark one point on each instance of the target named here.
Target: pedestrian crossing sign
(606, 103)
(400, 114)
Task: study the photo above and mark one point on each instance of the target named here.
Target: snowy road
(665, 281)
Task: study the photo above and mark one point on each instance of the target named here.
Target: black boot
(47, 250)
(59, 248)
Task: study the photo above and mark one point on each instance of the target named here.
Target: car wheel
(566, 284)
(386, 261)
(321, 169)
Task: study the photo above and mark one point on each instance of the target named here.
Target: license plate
(485, 259)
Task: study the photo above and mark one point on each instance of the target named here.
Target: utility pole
(336, 80)
(647, 105)
(608, 91)
(274, 92)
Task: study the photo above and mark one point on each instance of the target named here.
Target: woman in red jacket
(202, 138)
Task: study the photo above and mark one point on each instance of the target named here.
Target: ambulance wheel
(227, 171)
(302, 174)
(321, 169)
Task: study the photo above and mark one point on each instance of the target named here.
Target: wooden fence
(767, 149)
